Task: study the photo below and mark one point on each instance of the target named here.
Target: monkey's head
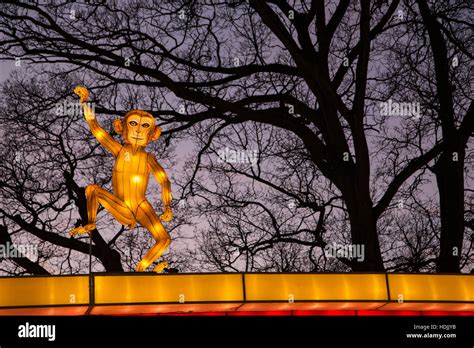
(138, 128)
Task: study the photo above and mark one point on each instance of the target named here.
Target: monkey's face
(139, 130)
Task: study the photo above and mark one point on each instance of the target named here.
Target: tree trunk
(449, 170)
(363, 227)
(450, 180)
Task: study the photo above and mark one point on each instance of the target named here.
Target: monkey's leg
(119, 210)
(147, 217)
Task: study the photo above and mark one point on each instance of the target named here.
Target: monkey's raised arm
(100, 134)
(160, 176)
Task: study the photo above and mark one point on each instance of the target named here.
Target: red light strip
(325, 313)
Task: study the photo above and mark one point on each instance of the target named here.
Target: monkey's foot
(161, 267)
(140, 267)
(82, 229)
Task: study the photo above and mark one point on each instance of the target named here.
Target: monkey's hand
(82, 229)
(167, 215)
(82, 92)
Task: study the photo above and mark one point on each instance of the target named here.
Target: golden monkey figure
(133, 165)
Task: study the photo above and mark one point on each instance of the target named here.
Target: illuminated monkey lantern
(133, 165)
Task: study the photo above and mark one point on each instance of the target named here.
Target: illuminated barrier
(431, 292)
(314, 291)
(44, 295)
(236, 294)
(153, 293)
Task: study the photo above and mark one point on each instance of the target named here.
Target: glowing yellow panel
(431, 287)
(43, 291)
(315, 287)
(168, 288)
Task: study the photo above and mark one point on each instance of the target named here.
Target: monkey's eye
(145, 125)
(132, 123)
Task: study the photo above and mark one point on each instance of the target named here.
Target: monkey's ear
(156, 133)
(118, 126)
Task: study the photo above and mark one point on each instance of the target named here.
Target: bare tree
(431, 66)
(223, 73)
